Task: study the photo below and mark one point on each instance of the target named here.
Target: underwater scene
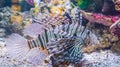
(59, 33)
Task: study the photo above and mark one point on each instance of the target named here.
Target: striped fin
(66, 35)
(31, 44)
(71, 54)
(63, 27)
(60, 28)
(57, 31)
(85, 31)
(70, 29)
(44, 39)
(66, 27)
(79, 30)
(57, 46)
(49, 36)
(46, 35)
(35, 42)
(52, 37)
(74, 29)
(41, 41)
(38, 42)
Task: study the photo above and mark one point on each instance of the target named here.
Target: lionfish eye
(88, 32)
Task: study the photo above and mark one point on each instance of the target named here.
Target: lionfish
(63, 41)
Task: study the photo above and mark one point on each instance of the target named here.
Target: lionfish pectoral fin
(17, 46)
(36, 56)
(33, 30)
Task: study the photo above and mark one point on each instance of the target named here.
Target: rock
(116, 47)
(89, 49)
(114, 39)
